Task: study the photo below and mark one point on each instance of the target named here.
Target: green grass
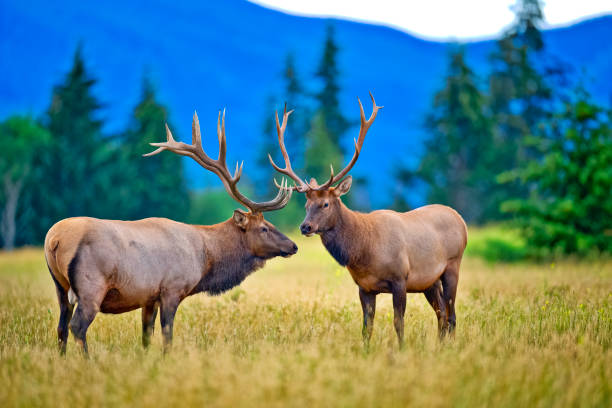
(527, 335)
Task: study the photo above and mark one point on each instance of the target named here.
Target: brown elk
(116, 266)
(385, 251)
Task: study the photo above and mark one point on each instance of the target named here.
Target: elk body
(385, 251)
(117, 266)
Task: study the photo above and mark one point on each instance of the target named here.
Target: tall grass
(527, 335)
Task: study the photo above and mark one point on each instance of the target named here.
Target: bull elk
(116, 266)
(385, 251)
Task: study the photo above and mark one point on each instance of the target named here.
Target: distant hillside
(210, 55)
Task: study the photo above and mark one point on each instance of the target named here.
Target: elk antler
(365, 125)
(219, 166)
(300, 185)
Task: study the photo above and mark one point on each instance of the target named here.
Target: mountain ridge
(206, 56)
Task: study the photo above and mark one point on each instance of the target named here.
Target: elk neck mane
(228, 259)
(345, 241)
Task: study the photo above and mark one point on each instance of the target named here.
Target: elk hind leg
(65, 315)
(450, 278)
(435, 298)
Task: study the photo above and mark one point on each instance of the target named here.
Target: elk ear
(344, 186)
(241, 219)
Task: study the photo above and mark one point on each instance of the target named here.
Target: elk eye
(325, 205)
(264, 229)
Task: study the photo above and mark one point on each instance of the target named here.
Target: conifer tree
(569, 206)
(149, 186)
(328, 97)
(74, 161)
(520, 97)
(457, 161)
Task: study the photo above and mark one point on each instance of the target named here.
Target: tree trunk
(12, 190)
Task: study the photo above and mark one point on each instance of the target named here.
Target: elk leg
(83, 316)
(149, 313)
(168, 310)
(368, 305)
(65, 315)
(434, 297)
(450, 278)
(398, 292)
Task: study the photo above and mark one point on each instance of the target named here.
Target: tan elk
(385, 251)
(116, 266)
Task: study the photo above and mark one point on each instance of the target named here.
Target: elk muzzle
(306, 229)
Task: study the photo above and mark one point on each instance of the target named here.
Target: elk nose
(305, 228)
(295, 248)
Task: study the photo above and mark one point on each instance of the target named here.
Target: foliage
(327, 97)
(77, 152)
(496, 243)
(147, 186)
(569, 209)
(22, 141)
(456, 165)
(321, 151)
(520, 97)
(211, 207)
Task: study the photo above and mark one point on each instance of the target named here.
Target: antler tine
(196, 137)
(328, 183)
(281, 199)
(169, 144)
(363, 130)
(221, 137)
(219, 166)
(300, 185)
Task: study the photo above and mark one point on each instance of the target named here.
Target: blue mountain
(210, 55)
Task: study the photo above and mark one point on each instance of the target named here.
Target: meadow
(527, 335)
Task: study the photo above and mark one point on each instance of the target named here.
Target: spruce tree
(75, 158)
(457, 162)
(328, 97)
(569, 206)
(321, 151)
(520, 97)
(149, 186)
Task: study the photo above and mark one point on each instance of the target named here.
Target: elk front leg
(368, 305)
(399, 308)
(168, 310)
(149, 313)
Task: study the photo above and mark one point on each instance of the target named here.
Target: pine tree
(321, 151)
(297, 126)
(520, 97)
(75, 159)
(328, 100)
(569, 207)
(457, 163)
(268, 145)
(149, 186)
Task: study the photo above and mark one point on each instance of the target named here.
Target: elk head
(323, 203)
(262, 238)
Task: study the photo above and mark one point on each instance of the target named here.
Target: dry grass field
(528, 335)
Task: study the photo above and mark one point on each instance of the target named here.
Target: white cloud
(440, 19)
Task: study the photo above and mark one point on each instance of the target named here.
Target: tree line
(523, 144)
